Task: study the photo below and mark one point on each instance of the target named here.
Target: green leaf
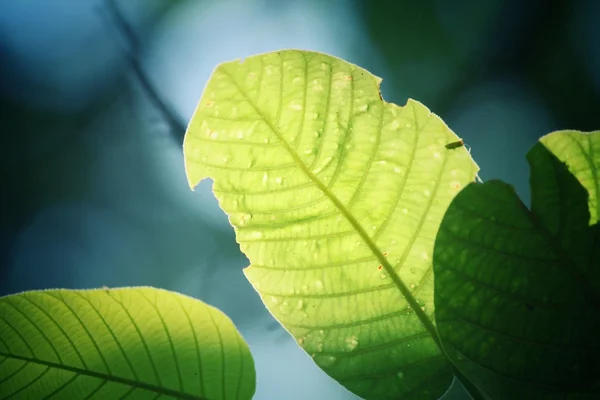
(335, 197)
(134, 343)
(517, 291)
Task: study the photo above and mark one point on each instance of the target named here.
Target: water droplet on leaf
(325, 361)
(351, 342)
(284, 308)
(244, 218)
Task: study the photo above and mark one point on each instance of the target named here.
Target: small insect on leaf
(455, 145)
(379, 267)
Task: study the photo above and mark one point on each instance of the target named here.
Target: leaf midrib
(106, 377)
(404, 290)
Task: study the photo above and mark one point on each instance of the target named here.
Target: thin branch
(175, 122)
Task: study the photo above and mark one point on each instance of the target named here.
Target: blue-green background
(93, 185)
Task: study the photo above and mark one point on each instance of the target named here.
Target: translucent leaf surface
(133, 343)
(336, 197)
(517, 291)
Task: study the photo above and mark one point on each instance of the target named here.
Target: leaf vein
(111, 378)
(87, 331)
(18, 334)
(223, 375)
(111, 332)
(169, 339)
(139, 332)
(28, 385)
(326, 117)
(52, 347)
(96, 390)
(62, 387)
(195, 335)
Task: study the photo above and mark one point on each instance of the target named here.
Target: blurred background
(96, 95)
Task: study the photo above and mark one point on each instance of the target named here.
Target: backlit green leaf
(517, 291)
(134, 343)
(336, 197)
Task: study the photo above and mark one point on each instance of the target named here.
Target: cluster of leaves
(369, 241)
